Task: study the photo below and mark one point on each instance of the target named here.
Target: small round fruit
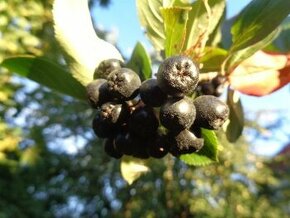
(110, 149)
(218, 80)
(178, 75)
(115, 114)
(123, 83)
(106, 67)
(97, 92)
(158, 148)
(211, 112)
(184, 142)
(151, 94)
(177, 113)
(143, 122)
(124, 144)
(207, 88)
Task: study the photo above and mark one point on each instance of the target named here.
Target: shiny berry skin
(151, 94)
(178, 75)
(97, 92)
(211, 112)
(106, 67)
(123, 83)
(158, 148)
(143, 122)
(110, 149)
(184, 142)
(177, 113)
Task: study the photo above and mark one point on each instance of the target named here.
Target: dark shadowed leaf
(45, 73)
(258, 20)
(236, 117)
(140, 62)
(207, 154)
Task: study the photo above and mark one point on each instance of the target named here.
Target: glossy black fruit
(123, 83)
(110, 149)
(211, 112)
(177, 113)
(97, 92)
(178, 75)
(143, 122)
(184, 142)
(151, 94)
(159, 147)
(106, 67)
(218, 80)
(124, 144)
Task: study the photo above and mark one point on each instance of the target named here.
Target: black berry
(110, 149)
(178, 75)
(184, 142)
(151, 94)
(211, 112)
(123, 83)
(158, 148)
(177, 113)
(97, 92)
(106, 67)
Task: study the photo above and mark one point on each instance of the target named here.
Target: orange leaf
(261, 74)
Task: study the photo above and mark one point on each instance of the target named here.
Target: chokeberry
(158, 148)
(184, 142)
(143, 122)
(97, 92)
(211, 112)
(106, 67)
(123, 83)
(110, 149)
(151, 94)
(177, 113)
(178, 75)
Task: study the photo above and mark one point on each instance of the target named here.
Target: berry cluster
(214, 86)
(153, 117)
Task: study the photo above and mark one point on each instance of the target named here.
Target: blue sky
(121, 18)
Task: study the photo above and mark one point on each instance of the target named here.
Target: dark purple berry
(218, 80)
(97, 92)
(106, 67)
(110, 149)
(143, 122)
(207, 88)
(184, 142)
(178, 75)
(177, 113)
(151, 94)
(211, 112)
(123, 83)
(124, 143)
(158, 148)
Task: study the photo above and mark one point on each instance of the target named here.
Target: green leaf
(140, 62)
(132, 168)
(202, 23)
(152, 21)
(256, 21)
(235, 126)
(235, 58)
(208, 154)
(75, 33)
(175, 20)
(282, 42)
(46, 73)
(212, 59)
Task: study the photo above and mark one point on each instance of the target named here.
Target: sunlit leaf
(175, 20)
(208, 154)
(212, 59)
(132, 169)
(258, 20)
(261, 74)
(201, 22)
(234, 127)
(76, 35)
(140, 62)
(45, 73)
(152, 21)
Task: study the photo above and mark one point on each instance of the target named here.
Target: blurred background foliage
(41, 177)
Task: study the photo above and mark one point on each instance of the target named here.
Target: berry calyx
(177, 113)
(211, 112)
(178, 75)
